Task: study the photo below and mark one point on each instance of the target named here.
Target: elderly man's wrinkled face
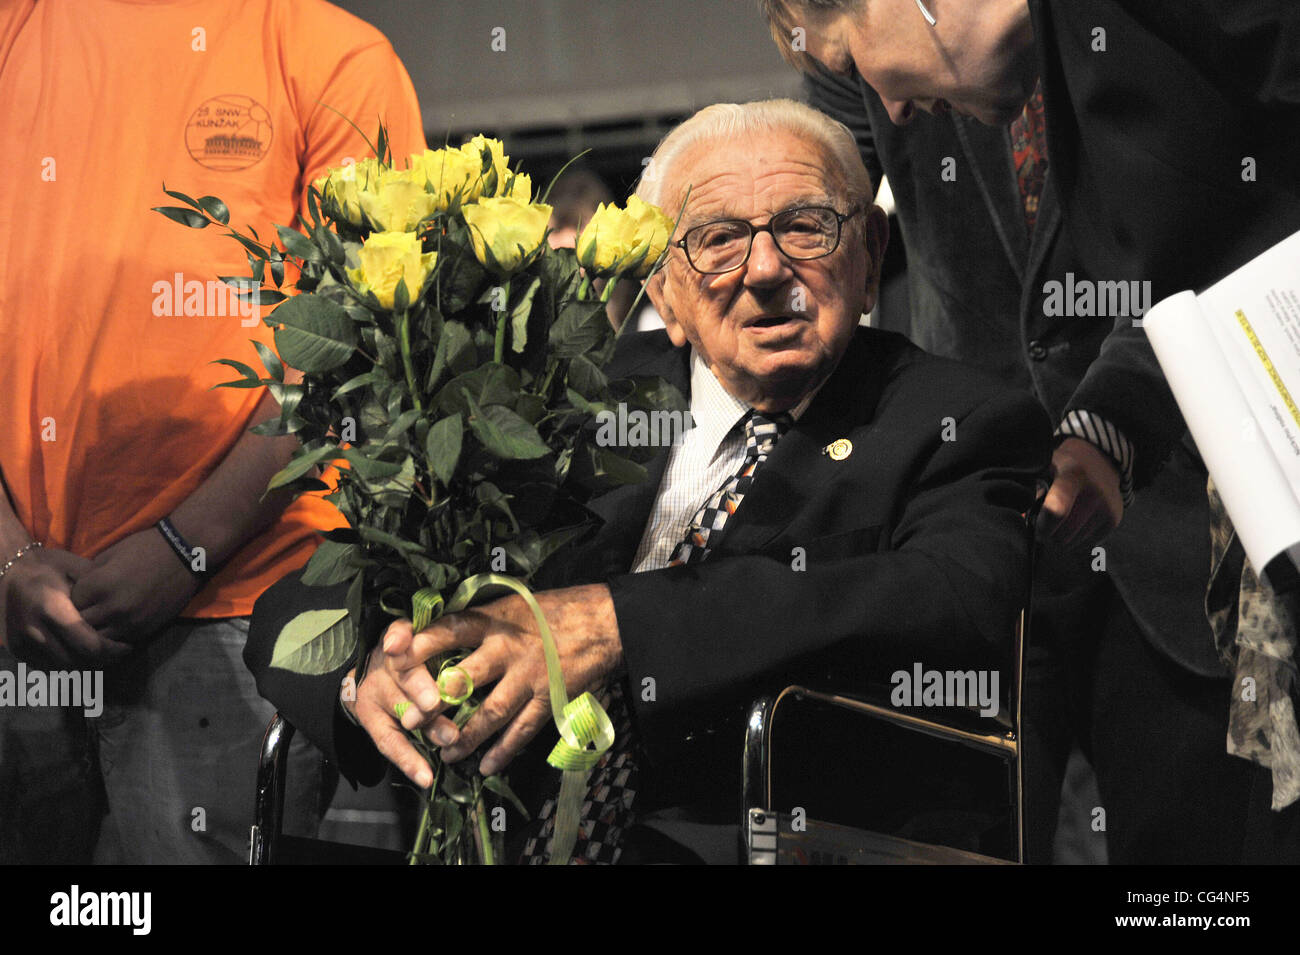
(976, 60)
(773, 329)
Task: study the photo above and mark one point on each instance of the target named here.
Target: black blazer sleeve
(310, 703)
(941, 585)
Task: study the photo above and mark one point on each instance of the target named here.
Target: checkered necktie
(607, 811)
(611, 789)
(761, 434)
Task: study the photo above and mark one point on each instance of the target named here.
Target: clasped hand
(505, 653)
(72, 611)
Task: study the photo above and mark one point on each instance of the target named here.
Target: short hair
(575, 196)
(783, 18)
(723, 121)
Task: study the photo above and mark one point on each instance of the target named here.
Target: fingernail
(424, 779)
(445, 735)
(428, 700)
(488, 767)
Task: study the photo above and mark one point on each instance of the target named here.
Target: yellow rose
(609, 240)
(340, 189)
(492, 180)
(653, 229)
(521, 187)
(506, 232)
(397, 201)
(447, 174)
(388, 258)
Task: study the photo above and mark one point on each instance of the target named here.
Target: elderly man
(845, 506)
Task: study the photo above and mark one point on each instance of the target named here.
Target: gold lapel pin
(839, 449)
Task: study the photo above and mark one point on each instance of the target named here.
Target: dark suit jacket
(913, 546)
(1145, 143)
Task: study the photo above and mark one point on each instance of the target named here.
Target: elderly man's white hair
(724, 121)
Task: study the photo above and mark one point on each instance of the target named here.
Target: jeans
(176, 748)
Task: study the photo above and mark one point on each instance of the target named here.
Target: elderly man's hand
(1084, 503)
(506, 651)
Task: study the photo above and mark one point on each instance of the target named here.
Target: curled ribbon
(586, 732)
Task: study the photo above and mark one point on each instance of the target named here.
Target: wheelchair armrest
(268, 810)
(962, 727)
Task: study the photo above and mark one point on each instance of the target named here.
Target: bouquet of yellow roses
(452, 365)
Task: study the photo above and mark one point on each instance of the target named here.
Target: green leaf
(614, 469)
(455, 352)
(456, 787)
(389, 540)
(181, 196)
(519, 317)
(532, 554)
(301, 464)
(396, 491)
(580, 327)
(253, 248)
(586, 378)
(327, 239)
(248, 373)
(532, 408)
(402, 423)
(360, 381)
(313, 204)
(273, 366)
(275, 427)
(195, 220)
(355, 591)
(264, 296)
(315, 642)
(288, 396)
(371, 469)
(489, 384)
(500, 385)
(655, 394)
(317, 336)
(331, 564)
(295, 243)
(498, 785)
(215, 208)
(504, 434)
(443, 446)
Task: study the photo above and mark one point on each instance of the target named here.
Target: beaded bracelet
(18, 556)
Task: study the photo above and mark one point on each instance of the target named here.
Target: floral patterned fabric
(1255, 630)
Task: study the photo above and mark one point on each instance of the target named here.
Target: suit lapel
(796, 465)
(989, 157)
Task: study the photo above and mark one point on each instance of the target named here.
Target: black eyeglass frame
(840, 219)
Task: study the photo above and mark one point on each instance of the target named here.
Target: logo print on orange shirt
(229, 132)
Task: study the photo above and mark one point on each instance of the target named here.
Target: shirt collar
(715, 411)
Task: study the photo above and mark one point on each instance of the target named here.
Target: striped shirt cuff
(1096, 430)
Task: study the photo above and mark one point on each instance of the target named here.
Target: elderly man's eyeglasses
(809, 232)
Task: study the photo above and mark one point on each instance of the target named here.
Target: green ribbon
(586, 732)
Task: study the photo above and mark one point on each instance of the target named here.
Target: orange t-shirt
(105, 367)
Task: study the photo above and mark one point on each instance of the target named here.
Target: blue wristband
(181, 547)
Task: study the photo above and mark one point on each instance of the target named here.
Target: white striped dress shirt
(698, 464)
